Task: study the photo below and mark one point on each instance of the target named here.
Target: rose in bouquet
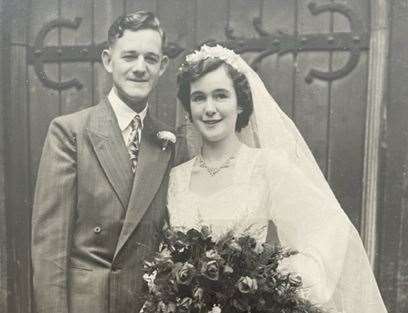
(194, 273)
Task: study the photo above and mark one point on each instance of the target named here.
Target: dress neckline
(239, 171)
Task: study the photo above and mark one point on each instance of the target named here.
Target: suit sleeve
(54, 203)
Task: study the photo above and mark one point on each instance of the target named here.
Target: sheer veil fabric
(349, 281)
(332, 259)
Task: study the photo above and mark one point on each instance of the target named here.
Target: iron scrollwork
(266, 44)
(280, 43)
(40, 54)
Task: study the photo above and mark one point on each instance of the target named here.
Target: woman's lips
(211, 122)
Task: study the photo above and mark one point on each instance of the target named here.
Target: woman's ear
(240, 110)
(107, 60)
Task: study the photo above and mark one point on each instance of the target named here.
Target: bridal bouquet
(193, 273)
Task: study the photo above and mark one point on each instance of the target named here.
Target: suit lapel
(151, 167)
(107, 141)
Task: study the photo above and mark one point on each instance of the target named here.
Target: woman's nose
(210, 108)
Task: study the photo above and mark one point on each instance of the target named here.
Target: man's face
(136, 62)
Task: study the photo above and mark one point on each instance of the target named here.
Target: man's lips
(138, 80)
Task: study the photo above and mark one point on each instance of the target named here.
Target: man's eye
(128, 57)
(152, 60)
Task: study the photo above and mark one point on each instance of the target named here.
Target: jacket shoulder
(74, 122)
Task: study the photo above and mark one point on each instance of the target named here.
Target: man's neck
(137, 106)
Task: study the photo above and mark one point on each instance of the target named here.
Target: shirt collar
(124, 114)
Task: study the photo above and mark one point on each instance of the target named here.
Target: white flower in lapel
(165, 137)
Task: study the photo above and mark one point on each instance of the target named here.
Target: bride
(255, 173)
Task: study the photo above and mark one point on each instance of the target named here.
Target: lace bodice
(240, 206)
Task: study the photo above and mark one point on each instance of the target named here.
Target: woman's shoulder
(182, 167)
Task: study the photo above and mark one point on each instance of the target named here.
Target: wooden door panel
(74, 99)
(104, 13)
(331, 116)
(348, 98)
(278, 71)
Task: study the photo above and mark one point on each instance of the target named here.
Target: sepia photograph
(204, 156)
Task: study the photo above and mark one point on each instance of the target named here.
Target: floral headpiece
(220, 52)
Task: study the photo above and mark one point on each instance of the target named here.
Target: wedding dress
(267, 187)
(279, 193)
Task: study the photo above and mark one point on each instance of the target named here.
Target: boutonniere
(165, 137)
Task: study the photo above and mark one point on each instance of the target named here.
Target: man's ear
(163, 64)
(106, 60)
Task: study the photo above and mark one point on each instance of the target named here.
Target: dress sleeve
(331, 259)
(310, 223)
(313, 224)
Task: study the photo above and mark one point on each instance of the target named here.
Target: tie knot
(136, 122)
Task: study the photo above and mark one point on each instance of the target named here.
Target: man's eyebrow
(152, 54)
(129, 52)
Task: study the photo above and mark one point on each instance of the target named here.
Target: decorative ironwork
(266, 45)
(38, 55)
(280, 43)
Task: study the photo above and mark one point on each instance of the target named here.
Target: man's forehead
(140, 40)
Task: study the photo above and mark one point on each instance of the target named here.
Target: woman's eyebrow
(197, 92)
(221, 90)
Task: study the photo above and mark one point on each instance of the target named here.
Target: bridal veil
(321, 231)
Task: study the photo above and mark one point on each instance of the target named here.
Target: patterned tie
(134, 141)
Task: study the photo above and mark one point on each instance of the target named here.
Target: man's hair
(192, 72)
(135, 21)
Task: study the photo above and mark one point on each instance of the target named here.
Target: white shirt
(125, 115)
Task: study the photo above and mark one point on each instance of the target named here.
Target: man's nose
(139, 66)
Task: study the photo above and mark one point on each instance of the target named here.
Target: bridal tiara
(219, 52)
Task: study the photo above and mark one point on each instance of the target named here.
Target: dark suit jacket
(93, 222)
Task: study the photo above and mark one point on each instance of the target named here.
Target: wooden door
(329, 113)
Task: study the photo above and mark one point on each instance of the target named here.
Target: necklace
(213, 170)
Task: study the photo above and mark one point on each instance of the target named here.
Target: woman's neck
(218, 151)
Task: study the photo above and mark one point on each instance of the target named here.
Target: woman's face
(214, 108)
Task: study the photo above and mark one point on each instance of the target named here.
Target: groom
(101, 187)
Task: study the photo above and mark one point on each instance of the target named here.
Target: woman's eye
(220, 96)
(197, 98)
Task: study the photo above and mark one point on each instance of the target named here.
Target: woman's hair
(192, 72)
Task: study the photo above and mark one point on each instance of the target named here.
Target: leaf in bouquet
(247, 242)
(194, 235)
(225, 239)
(206, 231)
(184, 305)
(198, 293)
(295, 280)
(241, 304)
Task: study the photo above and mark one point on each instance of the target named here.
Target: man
(101, 187)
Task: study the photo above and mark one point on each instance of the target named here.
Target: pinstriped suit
(93, 222)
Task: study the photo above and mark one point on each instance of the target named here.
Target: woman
(273, 188)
